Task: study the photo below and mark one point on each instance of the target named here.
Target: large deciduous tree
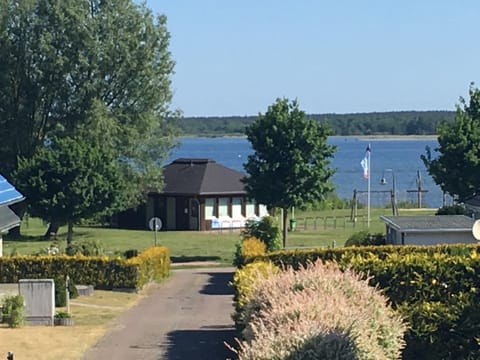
(67, 65)
(290, 165)
(456, 167)
(69, 180)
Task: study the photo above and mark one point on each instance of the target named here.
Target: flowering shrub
(318, 312)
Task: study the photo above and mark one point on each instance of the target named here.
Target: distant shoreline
(392, 137)
(359, 137)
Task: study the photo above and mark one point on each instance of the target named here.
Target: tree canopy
(375, 123)
(290, 165)
(456, 166)
(70, 180)
(92, 67)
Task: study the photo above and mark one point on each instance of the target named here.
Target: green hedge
(100, 271)
(435, 288)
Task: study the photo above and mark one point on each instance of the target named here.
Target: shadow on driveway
(218, 284)
(204, 344)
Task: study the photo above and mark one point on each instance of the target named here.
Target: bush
(453, 210)
(364, 238)
(243, 282)
(318, 312)
(130, 253)
(13, 310)
(265, 230)
(85, 247)
(247, 248)
(61, 291)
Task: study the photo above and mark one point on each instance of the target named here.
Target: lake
(397, 158)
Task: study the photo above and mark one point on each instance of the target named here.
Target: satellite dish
(476, 229)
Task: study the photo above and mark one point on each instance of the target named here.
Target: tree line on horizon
(375, 123)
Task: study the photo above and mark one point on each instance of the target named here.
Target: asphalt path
(187, 317)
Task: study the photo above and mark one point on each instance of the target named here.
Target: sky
(337, 56)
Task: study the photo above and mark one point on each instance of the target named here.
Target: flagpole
(368, 186)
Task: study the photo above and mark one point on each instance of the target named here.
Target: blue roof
(8, 194)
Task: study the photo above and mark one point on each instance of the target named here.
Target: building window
(236, 208)
(222, 207)
(250, 210)
(209, 208)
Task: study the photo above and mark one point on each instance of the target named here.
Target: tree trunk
(52, 230)
(285, 214)
(69, 233)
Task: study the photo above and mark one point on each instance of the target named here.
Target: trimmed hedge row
(100, 271)
(435, 288)
(296, 257)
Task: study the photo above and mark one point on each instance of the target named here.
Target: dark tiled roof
(8, 219)
(473, 201)
(8, 194)
(429, 223)
(201, 177)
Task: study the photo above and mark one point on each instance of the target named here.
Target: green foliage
(453, 210)
(13, 310)
(364, 238)
(290, 165)
(265, 230)
(61, 290)
(456, 167)
(70, 180)
(243, 283)
(85, 247)
(435, 288)
(62, 315)
(250, 246)
(102, 272)
(289, 315)
(63, 76)
(130, 253)
(378, 123)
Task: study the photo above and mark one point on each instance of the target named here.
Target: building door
(194, 214)
(171, 213)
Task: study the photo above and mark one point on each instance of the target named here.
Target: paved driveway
(188, 317)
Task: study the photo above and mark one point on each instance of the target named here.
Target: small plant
(130, 253)
(364, 238)
(62, 315)
(265, 230)
(85, 247)
(248, 247)
(453, 210)
(13, 310)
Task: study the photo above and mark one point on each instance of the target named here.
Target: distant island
(357, 124)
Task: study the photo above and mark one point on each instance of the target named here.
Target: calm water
(399, 157)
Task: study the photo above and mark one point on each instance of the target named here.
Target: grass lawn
(333, 226)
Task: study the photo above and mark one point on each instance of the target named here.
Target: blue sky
(237, 57)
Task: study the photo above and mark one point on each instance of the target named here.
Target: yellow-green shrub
(253, 247)
(249, 247)
(243, 282)
(153, 264)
